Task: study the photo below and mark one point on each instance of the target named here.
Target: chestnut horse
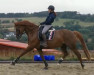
(62, 38)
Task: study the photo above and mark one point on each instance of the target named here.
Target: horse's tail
(79, 36)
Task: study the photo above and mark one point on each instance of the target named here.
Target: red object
(24, 46)
(13, 43)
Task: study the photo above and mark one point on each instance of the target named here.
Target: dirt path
(54, 69)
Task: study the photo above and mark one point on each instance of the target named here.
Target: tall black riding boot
(44, 42)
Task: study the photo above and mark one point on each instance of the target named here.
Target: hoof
(58, 64)
(45, 68)
(83, 66)
(13, 63)
(60, 60)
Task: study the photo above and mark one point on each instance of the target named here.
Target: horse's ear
(15, 23)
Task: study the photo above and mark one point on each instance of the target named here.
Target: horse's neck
(31, 32)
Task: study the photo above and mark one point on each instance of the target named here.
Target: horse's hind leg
(78, 55)
(64, 51)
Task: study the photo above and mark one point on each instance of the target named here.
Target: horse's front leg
(26, 51)
(41, 54)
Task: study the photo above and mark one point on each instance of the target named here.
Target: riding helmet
(51, 7)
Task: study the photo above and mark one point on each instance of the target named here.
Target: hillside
(37, 20)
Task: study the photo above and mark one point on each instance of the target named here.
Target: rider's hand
(41, 24)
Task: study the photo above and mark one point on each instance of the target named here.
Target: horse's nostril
(18, 36)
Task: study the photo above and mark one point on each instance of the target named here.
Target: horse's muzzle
(18, 36)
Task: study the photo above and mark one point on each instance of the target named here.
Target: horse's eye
(17, 29)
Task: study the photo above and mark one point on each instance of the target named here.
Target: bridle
(19, 36)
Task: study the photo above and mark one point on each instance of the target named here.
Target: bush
(6, 21)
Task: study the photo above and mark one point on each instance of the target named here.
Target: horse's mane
(25, 23)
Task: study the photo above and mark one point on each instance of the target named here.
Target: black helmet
(51, 7)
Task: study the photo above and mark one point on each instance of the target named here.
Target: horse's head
(20, 29)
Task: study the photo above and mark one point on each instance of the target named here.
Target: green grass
(37, 21)
(60, 22)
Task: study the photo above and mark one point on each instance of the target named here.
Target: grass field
(60, 22)
(37, 20)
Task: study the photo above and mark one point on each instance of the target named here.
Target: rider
(47, 24)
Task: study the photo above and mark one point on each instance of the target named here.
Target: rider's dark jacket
(49, 20)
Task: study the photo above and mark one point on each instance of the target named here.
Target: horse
(62, 38)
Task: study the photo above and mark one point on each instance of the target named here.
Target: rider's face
(49, 10)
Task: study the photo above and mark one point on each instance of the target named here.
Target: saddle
(49, 34)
